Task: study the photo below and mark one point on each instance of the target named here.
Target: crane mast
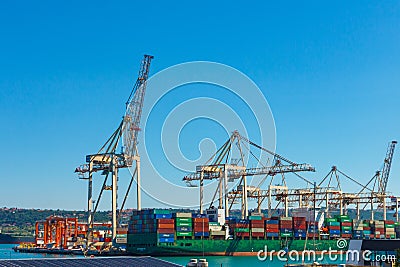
(108, 161)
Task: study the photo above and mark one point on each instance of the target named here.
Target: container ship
(161, 232)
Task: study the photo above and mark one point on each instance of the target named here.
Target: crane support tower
(108, 161)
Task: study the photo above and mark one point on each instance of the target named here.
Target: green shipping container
(242, 230)
(161, 211)
(330, 220)
(347, 228)
(184, 234)
(286, 234)
(334, 223)
(342, 216)
(345, 220)
(122, 236)
(184, 224)
(183, 220)
(255, 217)
(389, 226)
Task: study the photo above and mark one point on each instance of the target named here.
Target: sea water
(7, 252)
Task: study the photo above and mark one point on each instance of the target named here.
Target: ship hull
(228, 247)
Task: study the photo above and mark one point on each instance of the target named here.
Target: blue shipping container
(163, 216)
(183, 229)
(201, 233)
(166, 235)
(272, 222)
(272, 234)
(166, 240)
(299, 234)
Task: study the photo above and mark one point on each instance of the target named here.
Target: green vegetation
(21, 222)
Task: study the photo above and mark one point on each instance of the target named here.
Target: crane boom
(133, 113)
(387, 165)
(235, 174)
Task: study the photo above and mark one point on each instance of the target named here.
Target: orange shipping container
(165, 225)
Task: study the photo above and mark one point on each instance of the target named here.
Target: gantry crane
(109, 161)
(224, 171)
(329, 192)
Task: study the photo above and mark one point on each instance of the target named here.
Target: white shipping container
(257, 230)
(121, 240)
(218, 233)
(183, 215)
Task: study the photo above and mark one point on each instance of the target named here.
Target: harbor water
(6, 252)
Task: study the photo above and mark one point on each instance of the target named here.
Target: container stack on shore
(183, 225)
(257, 226)
(286, 227)
(299, 227)
(272, 228)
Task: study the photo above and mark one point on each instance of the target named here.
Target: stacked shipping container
(242, 228)
(333, 227)
(183, 224)
(201, 227)
(300, 227)
(257, 226)
(272, 227)
(286, 226)
(389, 229)
(378, 228)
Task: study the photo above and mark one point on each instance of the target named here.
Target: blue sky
(330, 73)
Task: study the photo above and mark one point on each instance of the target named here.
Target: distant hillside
(22, 221)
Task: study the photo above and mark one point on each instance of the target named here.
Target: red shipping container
(242, 234)
(346, 224)
(311, 236)
(366, 228)
(165, 231)
(256, 221)
(346, 235)
(257, 225)
(272, 230)
(165, 220)
(200, 224)
(257, 234)
(334, 227)
(389, 222)
(200, 220)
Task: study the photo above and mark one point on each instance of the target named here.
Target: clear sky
(330, 73)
